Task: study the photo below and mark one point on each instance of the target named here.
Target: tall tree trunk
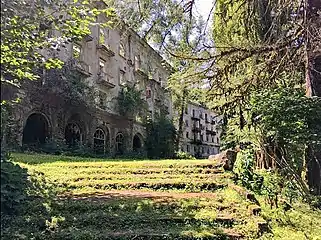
(313, 83)
(181, 119)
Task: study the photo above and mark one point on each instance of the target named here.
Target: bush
(53, 146)
(183, 155)
(244, 171)
(139, 154)
(161, 136)
(14, 183)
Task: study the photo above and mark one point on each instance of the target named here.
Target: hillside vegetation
(83, 198)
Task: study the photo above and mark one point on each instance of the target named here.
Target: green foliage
(14, 182)
(268, 183)
(137, 154)
(161, 136)
(58, 147)
(287, 116)
(130, 102)
(244, 170)
(183, 155)
(279, 123)
(63, 88)
(180, 203)
(27, 29)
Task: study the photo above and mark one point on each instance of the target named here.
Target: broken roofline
(167, 65)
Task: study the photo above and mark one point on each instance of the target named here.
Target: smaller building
(201, 131)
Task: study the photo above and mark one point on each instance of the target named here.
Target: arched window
(72, 134)
(121, 50)
(99, 141)
(119, 143)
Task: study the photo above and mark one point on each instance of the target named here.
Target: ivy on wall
(161, 137)
(130, 102)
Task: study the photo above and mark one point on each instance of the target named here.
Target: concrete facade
(109, 59)
(201, 132)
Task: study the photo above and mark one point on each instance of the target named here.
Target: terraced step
(148, 234)
(167, 199)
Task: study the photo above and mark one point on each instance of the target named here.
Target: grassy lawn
(149, 199)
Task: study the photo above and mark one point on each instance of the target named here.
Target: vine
(130, 102)
(161, 137)
(62, 87)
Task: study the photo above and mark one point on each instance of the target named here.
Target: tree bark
(181, 119)
(313, 84)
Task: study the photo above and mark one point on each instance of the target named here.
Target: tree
(163, 23)
(29, 39)
(160, 140)
(254, 45)
(130, 102)
(32, 33)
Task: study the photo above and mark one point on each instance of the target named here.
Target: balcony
(196, 141)
(141, 72)
(196, 129)
(88, 38)
(81, 67)
(211, 131)
(195, 117)
(105, 49)
(105, 80)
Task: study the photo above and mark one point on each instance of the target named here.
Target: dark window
(120, 143)
(137, 143)
(99, 141)
(72, 134)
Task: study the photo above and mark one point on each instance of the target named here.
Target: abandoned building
(79, 104)
(201, 131)
(107, 61)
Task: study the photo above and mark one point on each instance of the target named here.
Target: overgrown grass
(147, 199)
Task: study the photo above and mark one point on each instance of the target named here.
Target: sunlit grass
(155, 199)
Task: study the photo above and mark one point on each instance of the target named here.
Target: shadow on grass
(36, 158)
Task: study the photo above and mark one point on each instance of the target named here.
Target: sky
(203, 7)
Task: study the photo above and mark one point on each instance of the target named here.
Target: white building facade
(201, 131)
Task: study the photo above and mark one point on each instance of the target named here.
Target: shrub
(138, 154)
(53, 146)
(129, 101)
(183, 155)
(14, 182)
(161, 136)
(244, 170)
